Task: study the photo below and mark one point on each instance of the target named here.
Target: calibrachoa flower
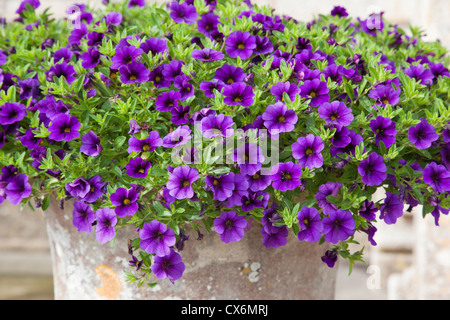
(83, 216)
(238, 93)
(391, 209)
(91, 144)
(315, 90)
(146, 145)
(336, 113)
(222, 187)
(180, 182)
(420, 74)
(106, 222)
(240, 44)
(138, 168)
(230, 226)
(134, 72)
(125, 55)
(170, 266)
(325, 190)
(385, 94)
(166, 101)
(338, 226)
(125, 201)
(373, 170)
(12, 112)
(307, 150)
(311, 225)
(156, 238)
(207, 54)
(384, 129)
(18, 189)
(182, 12)
(278, 119)
(280, 88)
(422, 135)
(437, 176)
(217, 125)
(286, 176)
(64, 127)
(178, 137)
(249, 157)
(229, 74)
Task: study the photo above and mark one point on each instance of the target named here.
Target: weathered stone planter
(85, 269)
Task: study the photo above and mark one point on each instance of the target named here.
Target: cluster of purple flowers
(115, 108)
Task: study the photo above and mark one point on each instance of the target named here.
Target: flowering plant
(162, 117)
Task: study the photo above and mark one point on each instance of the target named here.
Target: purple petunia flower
(420, 74)
(241, 187)
(91, 58)
(249, 157)
(230, 226)
(392, 208)
(276, 238)
(422, 135)
(12, 112)
(311, 225)
(91, 144)
(64, 128)
(166, 101)
(173, 70)
(208, 23)
(373, 170)
(180, 182)
(83, 217)
(23, 5)
(339, 11)
(96, 189)
(156, 238)
(207, 54)
(18, 189)
(180, 114)
(439, 70)
(307, 150)
(146, 145)
(186, 89)
(158, 78)
(61, 70)
(278, 119)
(437, 176)
(182, 12)
(217, 126)
(385, 94)
(336, 113)
(125, 55)
(222, 187)
(263, 45)
(315, 90)
(325, 190)
(138, 168)
(78, 188)
(208, 87)
(280, 88)
(29, 139)
(136, 3)
(106, 221)
(330, 258)
(134, 72)
(155, 46)
(113, 19)
(177, 138)
(286, 176)
(170, 266)
(384, 129)
(258, 181)
(229, 74)
(125, 201)
(368, 210)
(238, 93)
(254, 200)
(338, 226)
(29, 88)
(345, 141)
(240, 44)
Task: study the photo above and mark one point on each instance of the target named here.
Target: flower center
(282, 119)
(256, 176)
(113, 75)
(306, 222)
(216, 182)
(133, 77)
(286, 176)
(241, 46)
(157, 79)
(237, 99)
(186, 183)
(146, 147)
(333, 116)
(378, 131)
(141, 170)
(386, 101)
(309, 151)
(230, 80)
(313, 94)
(67, 130)
(126, 202)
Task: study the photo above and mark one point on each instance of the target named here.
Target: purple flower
(91, 144)
(230, 226)
(249, 157)
(330, 258)
(91, 58)
(338, 226)
(78, 188)
(136, 3)
(263, 45)
(276, 238)
(96, 189)
(258, 181)
(166, 101)
(176, 138)
(229, 74)
(373, 170)
(207, 54)
(138, 168)
(113, 19)
(170, 266)
(437, 176)
(155, 46)
(392, 208)
(173, 70)
(217, 125)
(240, 44)
(238, 93)
(106, 221)
(77, 34)
(209, 86)
(439, 70)
(286, 176)
(23, 5)
(307, 150)
(336, 113)
(12, 112)
(368, 210)
(156, 238)
(29, 88)
(385, 94)
(254, 200)
(349, 138)
(240, 190)
(315, 90)
(146, 145)
(61, 70)
(222, 187)
(208, 23)
(83, 217)
(325, 190)
(420, 74)
(185, 88)
(125, 55)
(311, 225)
(125, 201)
(339, 11)
(182, 12)
(158, 78)
(180, 114)
(180, 182)
(134, 127)
(280, 88)
(64, 128)
(18, 189)
(384, 129)
(422, 135)
(134, 72)
(278, 119)
(29, 139)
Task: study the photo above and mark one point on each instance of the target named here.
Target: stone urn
(84, 269)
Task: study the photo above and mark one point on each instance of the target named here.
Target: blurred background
(411, 259)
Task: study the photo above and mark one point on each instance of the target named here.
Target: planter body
(85, 269)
